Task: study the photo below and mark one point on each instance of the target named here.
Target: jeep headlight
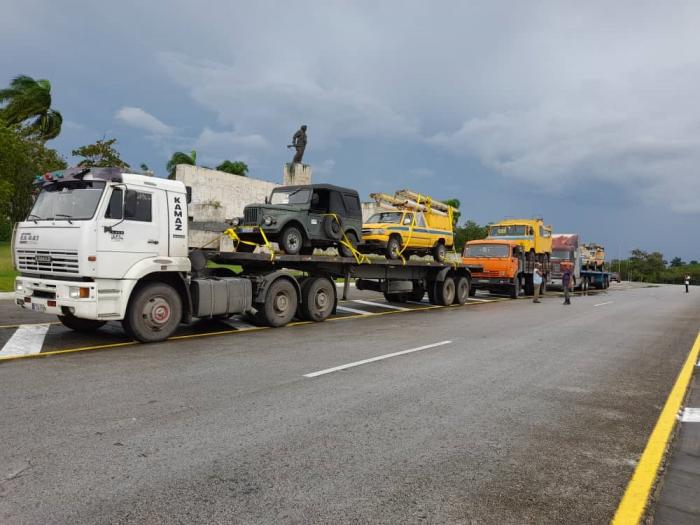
(377, 231)
(267, 220)
(236, 221)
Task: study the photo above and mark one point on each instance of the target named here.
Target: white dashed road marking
(381, 305)
(691, 415)
(373, 359)
(603, 304)
(27, 339)
(353, 311)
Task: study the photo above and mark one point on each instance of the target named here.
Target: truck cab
(94, 233)
(532, 235)
(565, 250)
(501, 262)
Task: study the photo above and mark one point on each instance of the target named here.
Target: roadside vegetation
(7, 273)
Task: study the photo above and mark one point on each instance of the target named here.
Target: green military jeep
(301, 218)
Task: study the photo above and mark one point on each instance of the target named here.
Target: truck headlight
(78, 292)
(19, 286)
(236, 221)
(267, 220)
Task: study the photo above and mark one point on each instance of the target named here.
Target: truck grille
(49, 261)
(251, 216)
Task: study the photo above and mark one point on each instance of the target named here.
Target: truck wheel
(280, 304)
(153, 313)
(417, 294)
(515, 289)
(432, 294)
(80, 325)
(445, 292)
(291, 240)
(393, 247)
(462, 290)
(439, 252)
(343, 250)
(317, 299)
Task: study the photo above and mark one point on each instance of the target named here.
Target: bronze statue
(299, 143)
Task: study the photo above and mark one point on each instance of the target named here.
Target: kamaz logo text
(177, 213)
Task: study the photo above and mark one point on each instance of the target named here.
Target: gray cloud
(140, 119)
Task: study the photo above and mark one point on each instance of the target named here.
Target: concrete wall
(371, 207)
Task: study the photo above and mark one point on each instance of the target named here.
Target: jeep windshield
(487, 250)
(68, 200)
(389, 217)
(298, 196)
(508, 231)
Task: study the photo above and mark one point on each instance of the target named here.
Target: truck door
(130, 229)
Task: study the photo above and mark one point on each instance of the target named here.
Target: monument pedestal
(297, 174)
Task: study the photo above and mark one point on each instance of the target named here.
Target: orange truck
(508, 255)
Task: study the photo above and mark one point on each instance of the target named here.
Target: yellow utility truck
(409, 223)
(593, 257)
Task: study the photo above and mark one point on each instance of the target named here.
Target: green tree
(180, 158)
(22, 158)
(470, 231)
(235, 167)
(144, 166)
(27, 99)
(456, 213)
(677, 261)
(101, 154)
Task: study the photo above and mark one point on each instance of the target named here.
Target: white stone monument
(296, 174)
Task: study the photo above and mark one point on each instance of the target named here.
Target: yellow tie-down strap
(413, 225)
(233, 235)
(360, 258)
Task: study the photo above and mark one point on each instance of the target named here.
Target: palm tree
(235, 168)
(26, 99)
(180, 158)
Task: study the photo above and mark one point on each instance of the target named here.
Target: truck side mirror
(188, 189)
(267, 199)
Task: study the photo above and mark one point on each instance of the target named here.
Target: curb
(6, 296)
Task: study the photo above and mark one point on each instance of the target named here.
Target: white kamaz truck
(104, 245)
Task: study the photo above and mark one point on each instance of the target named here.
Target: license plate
(246, 229)
(38, 307)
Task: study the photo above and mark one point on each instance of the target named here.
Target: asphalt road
(530, 414)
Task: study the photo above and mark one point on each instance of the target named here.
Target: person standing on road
(687, 283)
(568, 281)
(537, 282)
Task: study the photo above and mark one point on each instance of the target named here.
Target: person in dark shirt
(568, 281)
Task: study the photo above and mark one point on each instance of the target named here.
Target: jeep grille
(251, 216)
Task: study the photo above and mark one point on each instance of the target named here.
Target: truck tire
(515, 289)
(343, 250)
(417, 294)
(280, 304)
(80, 325)
(445, 292)
(291, 240)
(317, 299)
(154, 311)
(462, 290)
(393, 247)
(439, 252)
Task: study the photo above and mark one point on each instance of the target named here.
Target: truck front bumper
(100, 300)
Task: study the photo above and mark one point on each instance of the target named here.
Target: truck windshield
(562, 254)
(508, 231)
(487, 250)
(69, 200)
(391, 217)
(290, 196)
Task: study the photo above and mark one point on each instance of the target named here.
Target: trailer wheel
(417, 294)
(280, 304)
(393, 247)
(80, 325)
(291, 240)
(153, 313)
(445, 292)
(317, 299)
(462, 290)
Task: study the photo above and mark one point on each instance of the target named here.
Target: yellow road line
(636, 497)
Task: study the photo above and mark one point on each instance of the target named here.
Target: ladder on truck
(411, 200)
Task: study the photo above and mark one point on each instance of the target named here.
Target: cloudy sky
(586, 113)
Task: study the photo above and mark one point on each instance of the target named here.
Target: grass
(7, 273)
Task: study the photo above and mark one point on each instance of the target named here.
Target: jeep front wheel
(291, 240)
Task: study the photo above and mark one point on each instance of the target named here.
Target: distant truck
(593, 257)
(508, 256)
(566, 248)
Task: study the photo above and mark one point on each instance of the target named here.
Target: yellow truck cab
(532, 235)
(408, 229)
(593, 256)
